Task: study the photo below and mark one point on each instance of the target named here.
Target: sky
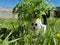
(12, 3)
(8, 3)
(56, 2)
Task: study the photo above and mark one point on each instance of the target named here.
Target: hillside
(5, 12)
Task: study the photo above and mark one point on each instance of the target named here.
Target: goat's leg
(44, 28)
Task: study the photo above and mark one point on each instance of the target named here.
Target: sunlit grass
(51, 37)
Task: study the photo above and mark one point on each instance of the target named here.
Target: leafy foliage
(30, 8)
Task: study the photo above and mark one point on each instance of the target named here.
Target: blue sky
(56, 2)
(8, 3)
(12, 3)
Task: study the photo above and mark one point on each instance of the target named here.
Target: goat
(38, 25)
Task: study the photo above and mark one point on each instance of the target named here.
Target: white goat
(38, 26)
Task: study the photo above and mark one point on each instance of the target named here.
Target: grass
(7, 23)
(50, 37)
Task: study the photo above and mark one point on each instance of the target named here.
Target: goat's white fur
(39, 26)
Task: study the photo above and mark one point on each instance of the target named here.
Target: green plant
(30, 38)
(6, 41)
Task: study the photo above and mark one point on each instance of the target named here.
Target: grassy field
(7, 23)
(50, 37)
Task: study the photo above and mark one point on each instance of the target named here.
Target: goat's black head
(44, 19)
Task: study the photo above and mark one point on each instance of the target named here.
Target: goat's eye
(36, 24)
(32, 24)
